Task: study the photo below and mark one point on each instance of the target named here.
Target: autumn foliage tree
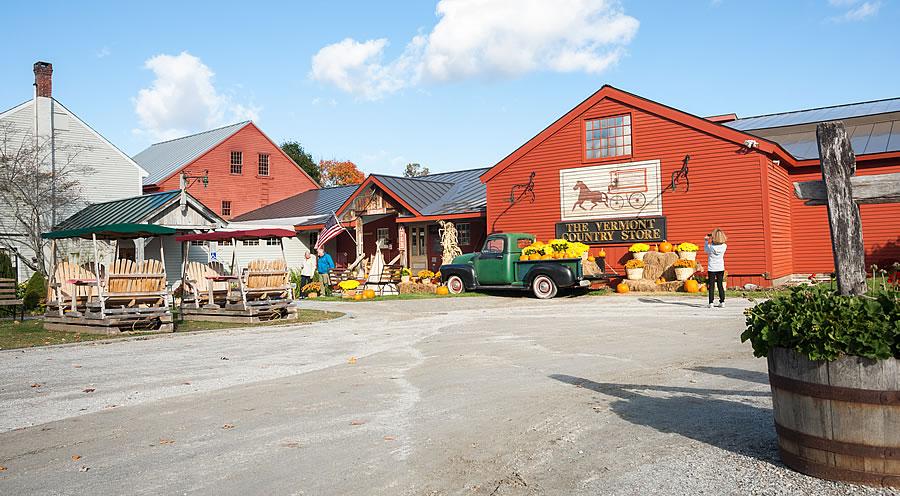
(340, 173)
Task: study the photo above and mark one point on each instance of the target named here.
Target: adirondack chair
(130, 284)
(71, 288)
(389, 278)
(265, 280)
(197, 284)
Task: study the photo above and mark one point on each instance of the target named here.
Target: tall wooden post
(838, 165)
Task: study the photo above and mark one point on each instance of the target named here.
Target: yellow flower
(349, 285)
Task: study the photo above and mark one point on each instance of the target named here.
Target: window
(263, 164)
(271, 241)
(382, 234)
(608, 137)
(237, 162)
(463, 234)
(198, 243)
(313, 239)
(417, 246)
(251, 242)
(225, 242)
(493, 245)
(226, 207)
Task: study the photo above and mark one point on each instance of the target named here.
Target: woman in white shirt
(714, 246)
(308, 270)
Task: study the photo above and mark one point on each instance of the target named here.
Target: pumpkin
(547, 257)
(622, 288)
(654, 248)
(691, 286)
(442, 290)
(357, 297)
(523, 258)
(602, 253)
(592, 259)
(703, 288)
(369, 293)
(666, 247)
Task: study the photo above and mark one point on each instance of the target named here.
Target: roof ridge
(419, 178)
(158, 193)
(457, 171)
(816, 108)
(201, 132)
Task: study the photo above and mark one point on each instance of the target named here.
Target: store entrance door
(418, 257)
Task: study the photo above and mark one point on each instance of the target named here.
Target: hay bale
(658, 264)
(591, 268)
(416, 287)
(640, 285)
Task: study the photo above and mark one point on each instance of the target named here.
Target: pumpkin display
(442, 290)
(357, 297)
(691, 286)
(666, 247)
(602, 253)
(369, 293)
(622, 288)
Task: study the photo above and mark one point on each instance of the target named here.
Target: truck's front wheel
(455, 285)
(543, 287)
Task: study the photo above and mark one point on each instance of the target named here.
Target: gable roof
(133, 210)
(650, 106)
(165, 158)
(315, 202)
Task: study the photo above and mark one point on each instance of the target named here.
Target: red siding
(247, 191)
(780, 192)
(726, 187)
(812, 241)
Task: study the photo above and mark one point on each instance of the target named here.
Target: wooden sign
(613, 231)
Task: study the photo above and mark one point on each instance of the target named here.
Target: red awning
(244, 234)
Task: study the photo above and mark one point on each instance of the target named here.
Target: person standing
(307, 271)
(324, 266)
(714, 246)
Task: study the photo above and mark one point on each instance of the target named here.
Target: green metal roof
(127, 211)
(112, 231)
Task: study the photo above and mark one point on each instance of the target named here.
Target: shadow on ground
(732, 424)
(733, 373)
(681, 303)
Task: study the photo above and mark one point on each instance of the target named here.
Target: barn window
(607, 137)
(271, 241)
(382, 234)
(226, 207)
(225, 242)
(251, 242)
(263, 164)
(198, 243)
(237, 162)
(463, 234)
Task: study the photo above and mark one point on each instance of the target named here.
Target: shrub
(817, 323)
(634, 264)
(35, 291)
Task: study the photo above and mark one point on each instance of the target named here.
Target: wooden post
(838, 165)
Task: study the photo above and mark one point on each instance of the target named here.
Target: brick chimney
(43, 78)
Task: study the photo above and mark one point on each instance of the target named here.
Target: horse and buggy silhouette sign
(611, 191)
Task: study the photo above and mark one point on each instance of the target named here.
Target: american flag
(332, 228)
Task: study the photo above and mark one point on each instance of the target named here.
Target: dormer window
(607, 137)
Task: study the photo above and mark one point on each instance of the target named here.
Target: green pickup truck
(497, 266)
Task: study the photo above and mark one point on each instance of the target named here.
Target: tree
(34, 193)
(295, 150)
(415, 170)
(340, 173)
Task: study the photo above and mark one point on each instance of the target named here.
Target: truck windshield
(493, 245)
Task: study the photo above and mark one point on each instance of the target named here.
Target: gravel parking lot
(487, 396)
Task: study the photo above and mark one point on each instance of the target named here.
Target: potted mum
(634, 268)
(684, 269)
(348, 288)
(833, 361)
(404, 274)
(687, 251)
(312, 289)
(638, 250)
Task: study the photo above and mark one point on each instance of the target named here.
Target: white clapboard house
(108, 173)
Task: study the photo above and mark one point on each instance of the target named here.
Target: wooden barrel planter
(838, 420)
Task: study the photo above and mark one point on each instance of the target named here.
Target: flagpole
(344, 228)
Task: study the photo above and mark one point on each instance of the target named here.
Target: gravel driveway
(487, 396)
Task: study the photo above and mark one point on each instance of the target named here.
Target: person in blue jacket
(323, 267)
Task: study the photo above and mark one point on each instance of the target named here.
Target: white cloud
(485, 38)
(182, 99)
(103, 52)
(855, 10)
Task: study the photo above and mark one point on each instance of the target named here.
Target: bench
(8, 296)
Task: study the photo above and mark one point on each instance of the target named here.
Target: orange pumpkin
(369, 293)
(357, 296)
(523, 258)
(442, 290)
(691, 286)
(665, 247)
(592, 259)
(654, 248)
(602, 253)
(547, 257)
(703, 288)
(622, 288)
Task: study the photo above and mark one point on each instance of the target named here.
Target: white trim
(16, 108)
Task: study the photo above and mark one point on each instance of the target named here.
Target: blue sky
(453, 85)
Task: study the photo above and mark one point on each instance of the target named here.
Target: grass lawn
(31, 333)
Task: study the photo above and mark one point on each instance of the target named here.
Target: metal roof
(877, 137)
(134, 210)
(163, 159)
(822, 114)
(314, 202)
(419, 193)
(441, 194)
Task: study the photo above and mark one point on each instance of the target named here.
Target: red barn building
(246, 169)
(619, 168)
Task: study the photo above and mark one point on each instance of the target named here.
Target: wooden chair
(8, 296)
(338, 275)
(130, 284)
(68, 289)
(265, 280)
(389, 277)
(196, 285)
